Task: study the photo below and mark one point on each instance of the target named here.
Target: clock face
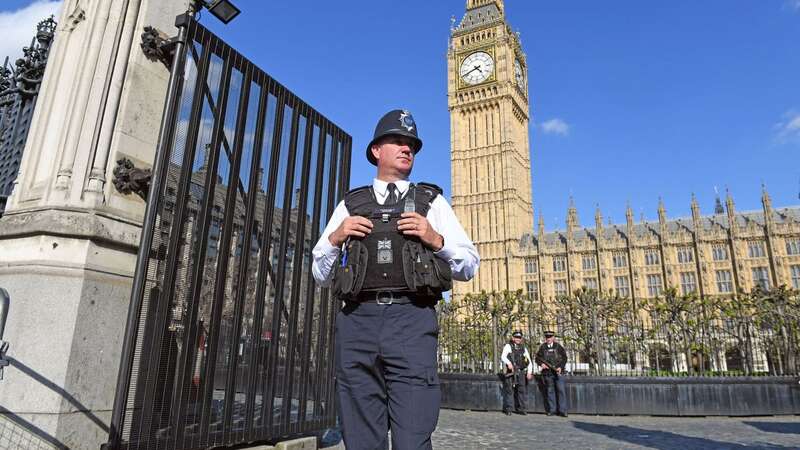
(519, 74)
(477, 68)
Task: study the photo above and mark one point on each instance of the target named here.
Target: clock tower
(489, 143)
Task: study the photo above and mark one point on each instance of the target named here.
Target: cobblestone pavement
(492, 430)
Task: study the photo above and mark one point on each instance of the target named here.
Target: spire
(695, 209)
(731, 211)
(473, 4)
(729, 202)
(766, 202)
(718, 209)
(572, 216)
(629, 216)
(598, 219)
(662, 213)
(541, 225)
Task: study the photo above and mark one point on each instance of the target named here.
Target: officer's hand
(530, 376)
(510, 366)
(558, 369)
(414, 224)
(543, 367)
(357, 226)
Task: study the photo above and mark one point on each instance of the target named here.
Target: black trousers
(515, 391)
(555, 384)
(386, 375)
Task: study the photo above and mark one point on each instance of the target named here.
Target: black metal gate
(229, 340)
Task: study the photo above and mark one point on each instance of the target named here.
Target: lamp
(223, 10)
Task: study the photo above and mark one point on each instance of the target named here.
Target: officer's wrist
(438, 244)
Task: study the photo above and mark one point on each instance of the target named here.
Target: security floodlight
(223, 10)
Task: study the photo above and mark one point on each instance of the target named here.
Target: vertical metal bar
(263, 272)
(338, 148)
(328, 197)
(184, 365)
(281, 273)
(216, 143)
(204, 225)
(233, 363)
(268, 391)
(249, 224)
(157, 320)
(297, 275)
(311, 299)
(329, 309)
(139, 278)
(266, 275)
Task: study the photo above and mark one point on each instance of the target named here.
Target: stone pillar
(68, 240)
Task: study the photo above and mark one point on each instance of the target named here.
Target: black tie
(392, 198)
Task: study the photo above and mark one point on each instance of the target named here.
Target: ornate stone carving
(130, 179)
(77, 16)
(156, 47)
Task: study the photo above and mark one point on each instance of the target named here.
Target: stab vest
(386, 260)
(518, 356)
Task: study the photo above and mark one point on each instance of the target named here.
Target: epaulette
(356, 198)
(354, 190)
(436, 190)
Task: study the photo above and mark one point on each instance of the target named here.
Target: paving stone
(481, 430)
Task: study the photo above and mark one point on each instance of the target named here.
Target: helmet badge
(406, 120)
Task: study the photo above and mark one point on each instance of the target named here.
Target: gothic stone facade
(717, 254)
(491, 194)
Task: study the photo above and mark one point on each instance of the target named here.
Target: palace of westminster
(488, 99)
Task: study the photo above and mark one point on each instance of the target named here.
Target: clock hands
(473, 69)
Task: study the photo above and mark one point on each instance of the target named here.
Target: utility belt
(393, 298)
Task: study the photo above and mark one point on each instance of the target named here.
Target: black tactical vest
(387, 260)
(518, 356)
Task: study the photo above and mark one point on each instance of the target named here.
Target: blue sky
(631, 100)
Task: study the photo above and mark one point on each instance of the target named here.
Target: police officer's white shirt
(458, 249)
(507, 351)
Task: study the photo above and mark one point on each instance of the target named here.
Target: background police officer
(552, 359)
(519, 371)
(387, 332)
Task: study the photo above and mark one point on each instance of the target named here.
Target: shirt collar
(381, 191)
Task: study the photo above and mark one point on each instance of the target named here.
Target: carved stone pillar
(68, 239)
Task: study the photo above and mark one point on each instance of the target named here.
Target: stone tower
(489, 144)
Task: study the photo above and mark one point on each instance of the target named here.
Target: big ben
(489, 143)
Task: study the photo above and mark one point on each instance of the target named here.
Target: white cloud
(555, 126)
(19, 26)
(794, 5)
(788, 129)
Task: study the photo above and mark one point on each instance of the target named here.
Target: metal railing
(20, 81)
(229, 340)
(655, 343)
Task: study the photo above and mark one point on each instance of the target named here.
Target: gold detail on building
(490, 149)
(718, 254)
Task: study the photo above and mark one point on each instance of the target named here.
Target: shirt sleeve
(324, 252)
(530, 361)
(458, 249)
(504, 355)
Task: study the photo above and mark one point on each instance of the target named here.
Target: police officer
(390, 249)
(519, 370)
(552, 360)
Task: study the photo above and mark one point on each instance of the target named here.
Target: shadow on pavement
(776, 427)
(663, 440)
